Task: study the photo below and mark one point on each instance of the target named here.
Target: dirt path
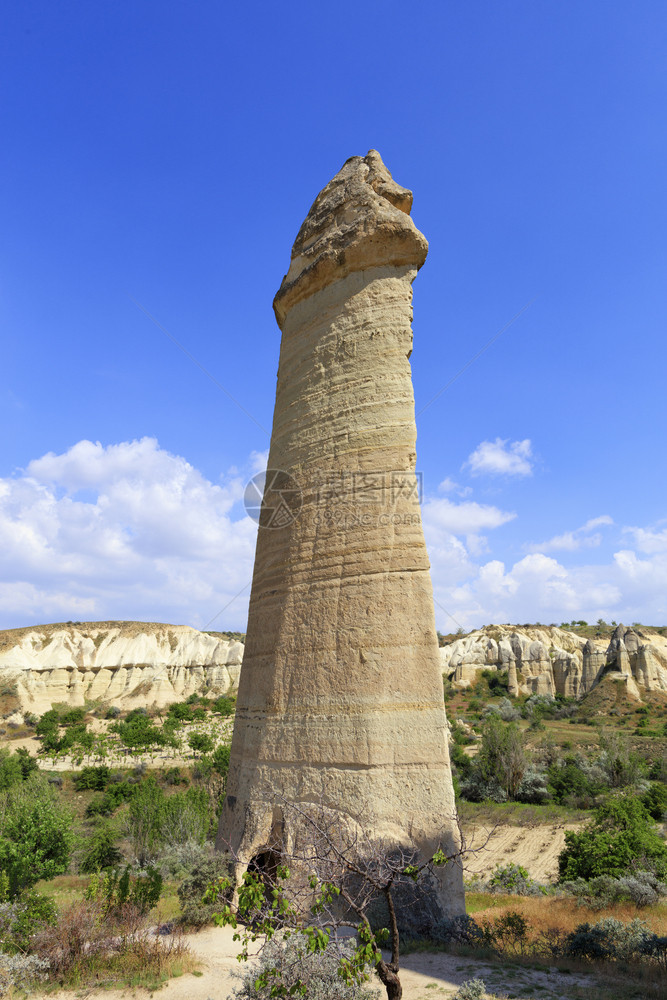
(423, 975)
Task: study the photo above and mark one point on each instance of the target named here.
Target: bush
(200, 742)
(173, 776)
(220, 759)
(35, 834)
(138, 733)
(180, 710)
(501, 758)
(622, 832)
(533, 787)
(641, 888)
(95, 778)
(194, 885)
(20, 918)
(573, 782)
(457, 930)
(15, 767)
(20, 972)
(116, 793)
(101, 851)
(514, 880)
(156, 820)
(225, 706)
(471, 989)
(72, 716)
(112, 890)
(655, 800)
(609, 940)
(311, 975)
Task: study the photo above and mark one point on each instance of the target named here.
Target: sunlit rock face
(550, 660)
(129, 664)
(340, 701)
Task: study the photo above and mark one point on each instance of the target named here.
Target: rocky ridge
(549, 660)
(129, 664)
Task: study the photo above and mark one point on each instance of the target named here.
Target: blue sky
(166, 154)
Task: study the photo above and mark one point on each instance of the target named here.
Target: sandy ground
(536, 848)
(423, 975)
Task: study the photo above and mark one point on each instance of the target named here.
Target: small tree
(501, 757)
(35, 834)
(200, 742)
(334, 882)
(621, 834)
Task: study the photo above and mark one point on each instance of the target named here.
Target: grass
(533, 975)
(517, 814)
(65, 890)
(544, 913)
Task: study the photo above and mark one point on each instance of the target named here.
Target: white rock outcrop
(550, 660)
(123, 663)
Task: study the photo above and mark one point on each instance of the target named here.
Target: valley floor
(424, 975)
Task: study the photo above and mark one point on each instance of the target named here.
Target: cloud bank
(132, 531)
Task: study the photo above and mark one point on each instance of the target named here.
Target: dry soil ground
(425, 976)
(535, 847)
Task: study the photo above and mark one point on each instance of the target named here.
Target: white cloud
(451, 486)
(465, 518)
(649, 540)
(571, 541)
(539, 587)
(132, 531)
(501, 458)
(124, 531)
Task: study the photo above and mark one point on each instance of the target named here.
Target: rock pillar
(340, 700)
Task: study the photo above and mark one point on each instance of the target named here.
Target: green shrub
(10, 770)
(571, 782)
(655, 800)
(138, 732)
(114, 796)
(621, 833)
(220, 758)
(95, 778)
(514, 880)
(156, 820)
(101, 851)
(72, 716)
(300, 972)
(35, 834)
(200, 742)
(173, 776)
(194, 885)
(19, 918)
(224, 706)
(113, 889)
(471, 989)
(181, 710)
(609, 940)
(640, 887)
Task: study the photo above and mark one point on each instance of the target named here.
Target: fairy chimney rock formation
(340, 702)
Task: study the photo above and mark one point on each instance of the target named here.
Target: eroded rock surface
(129, 664)
(549, 660)
(340, 699)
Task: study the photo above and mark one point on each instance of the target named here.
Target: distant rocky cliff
(133, 664)
(549, 660)
(124, 663)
